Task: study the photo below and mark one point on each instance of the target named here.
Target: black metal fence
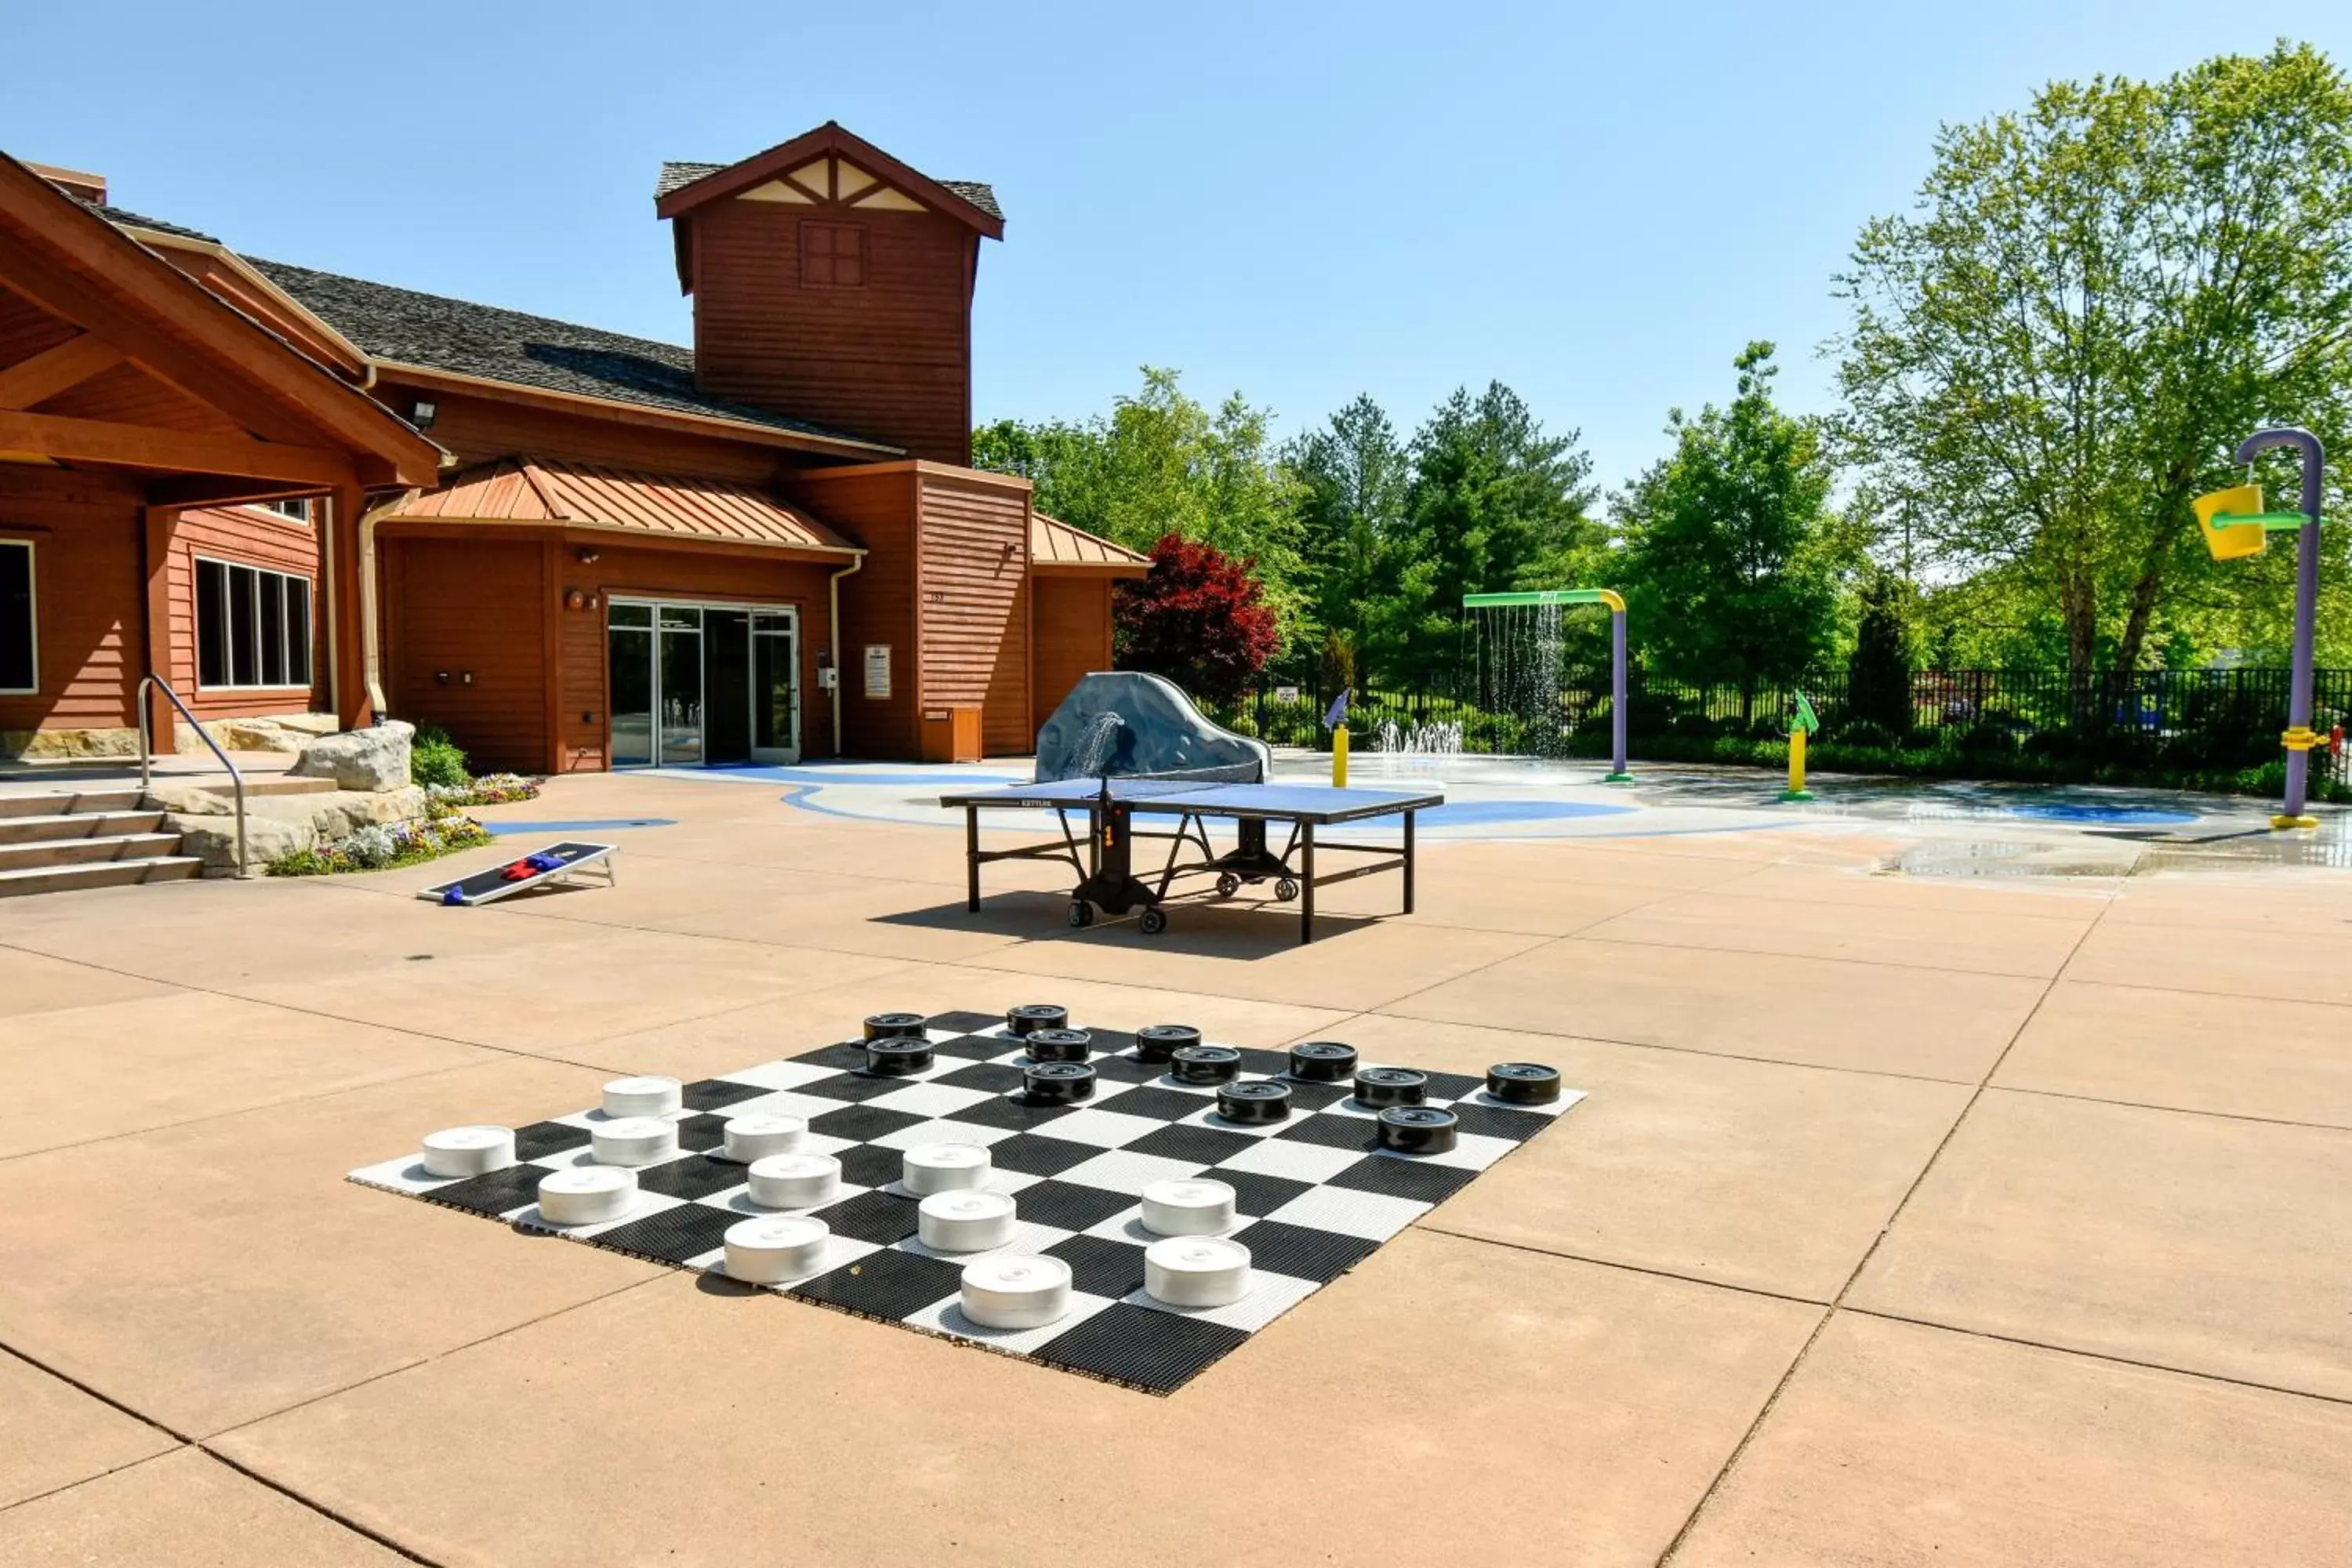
(2204, 720)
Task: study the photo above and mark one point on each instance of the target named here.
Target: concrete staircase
(101, 837)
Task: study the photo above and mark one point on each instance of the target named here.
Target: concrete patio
(1907, 1220)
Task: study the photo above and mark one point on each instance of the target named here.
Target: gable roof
(431, 331)
(620, 501)
(675, 177)
(71, 260)
(684, 187)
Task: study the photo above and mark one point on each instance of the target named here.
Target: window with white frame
(20, 662)
(253, 626)
(299, 511)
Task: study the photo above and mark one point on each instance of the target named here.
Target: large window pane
(273, 628)
(19, 659)
(297, 631)
(631, 661)
(212, 624)
(244, 637)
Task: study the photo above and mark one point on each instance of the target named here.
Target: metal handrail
(147, 759)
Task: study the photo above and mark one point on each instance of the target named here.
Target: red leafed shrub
(1197, 619)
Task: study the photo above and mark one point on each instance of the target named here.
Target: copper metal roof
(1052, 543)
(582, 495)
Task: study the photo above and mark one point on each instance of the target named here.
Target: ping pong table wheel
(1227, 884)
(1082, 914)
(1286, 890)
(1151, 923)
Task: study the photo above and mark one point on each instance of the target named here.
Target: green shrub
(433, 759)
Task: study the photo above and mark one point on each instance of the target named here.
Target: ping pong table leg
(1307, 882)
(971, 859)
(1408, 862)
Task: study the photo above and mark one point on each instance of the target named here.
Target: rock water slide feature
(1128, 724)
(1130, 1205)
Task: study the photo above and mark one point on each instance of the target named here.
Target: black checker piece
(1037, 1156)
(1494, 1121)
(1009, 1111)
(852, 1087)
(1166, 1104)
(877, 1218)
(494, 1193)
(863, 1122)
(1201, 1145)
(974, 1047)
(1303, 1253)
(702, 1133)
(1100, 1267)
(846, 1056)
(715, 1093)
(1404, 1177)
(887, 1284)
(995, 1078)
(1154, 1349)
(673, 1235)
(696, 1176)
(540, 1139)
(1070, 1205)
(965, 1023)
(1335, 1133)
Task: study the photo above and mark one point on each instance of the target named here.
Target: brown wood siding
(249, 539)
(974, 615)
(635, 573)
(890, 361)
(1070, 624)
(129, 396)
(88, 597)
(878, 507)
(479, 429)
(479, 607)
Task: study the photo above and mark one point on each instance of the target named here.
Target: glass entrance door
(776, 686)
(703, 684)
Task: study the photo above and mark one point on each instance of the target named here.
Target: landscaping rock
(373, 759)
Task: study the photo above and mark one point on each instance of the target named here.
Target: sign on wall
(877, 670)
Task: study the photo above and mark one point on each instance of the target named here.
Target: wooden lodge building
(284, 491)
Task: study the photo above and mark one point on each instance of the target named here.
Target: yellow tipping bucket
(2231, 541)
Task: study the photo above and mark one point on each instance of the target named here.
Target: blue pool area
(585, 824)
(1478, 813)
(2118, 816)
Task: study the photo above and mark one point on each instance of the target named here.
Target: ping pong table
(1105, 862)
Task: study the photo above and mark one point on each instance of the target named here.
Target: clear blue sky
(1596, 203)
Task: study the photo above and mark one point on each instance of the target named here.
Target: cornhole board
(568, 858)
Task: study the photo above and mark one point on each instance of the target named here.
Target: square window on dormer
(833, 255)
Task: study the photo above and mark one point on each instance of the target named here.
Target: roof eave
(830, 137)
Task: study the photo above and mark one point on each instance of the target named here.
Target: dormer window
(833, 255)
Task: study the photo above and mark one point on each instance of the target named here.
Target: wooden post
(159, 523)
(340, 586)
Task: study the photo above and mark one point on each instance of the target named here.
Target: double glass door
(696, 684)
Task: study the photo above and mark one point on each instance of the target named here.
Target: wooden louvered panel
(974, 613)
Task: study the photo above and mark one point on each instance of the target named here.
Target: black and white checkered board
(1315, 1194)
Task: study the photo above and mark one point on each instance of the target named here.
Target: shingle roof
(134, 220)
(466, 339)
(674, 176)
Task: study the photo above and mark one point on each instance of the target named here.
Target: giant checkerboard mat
(1315, 1195)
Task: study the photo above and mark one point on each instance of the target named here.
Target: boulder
(371, 759)
(1125, 721)
(276, 825)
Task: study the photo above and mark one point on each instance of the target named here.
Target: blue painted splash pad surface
(2121, 816)
(602, 825)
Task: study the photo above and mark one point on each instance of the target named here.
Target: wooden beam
(144, 447)
(50, 372)
(188, 491)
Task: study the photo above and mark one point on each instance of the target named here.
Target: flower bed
(385, 847)
(490, 789)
